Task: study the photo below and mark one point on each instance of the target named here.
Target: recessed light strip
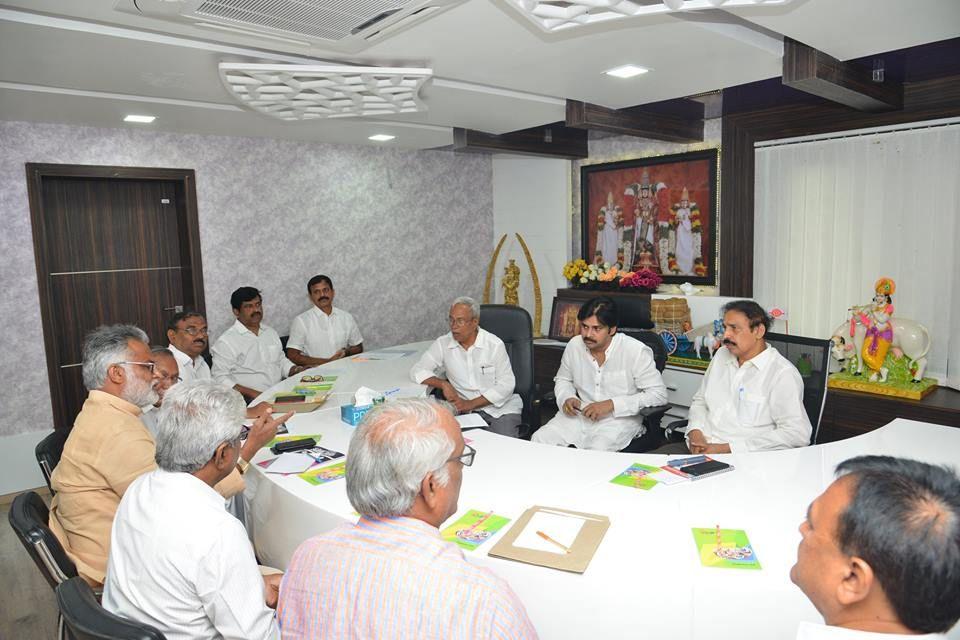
(139, 119)
(381, 137)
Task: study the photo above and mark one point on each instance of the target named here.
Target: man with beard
(168, 374)
(604, 379)
(323, 333)
(108, 448)
(249, 356)
(751, 397)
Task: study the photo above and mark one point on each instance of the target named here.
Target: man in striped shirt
(391, 575)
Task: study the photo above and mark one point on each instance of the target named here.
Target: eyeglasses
(171, 379)
(465, 458)
(459, 322)
(193, 331)
(149, 365)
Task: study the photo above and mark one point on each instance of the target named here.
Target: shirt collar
(812, 631)
(189, 483)
(610, 350)
(317, 310)
(240, 328)
(479, 343)
(759, 361)
(409, 526)
(183, 358)
(102, 397)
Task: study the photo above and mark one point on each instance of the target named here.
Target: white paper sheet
(470, 420)
(293, 462)
(667, 478)
(562, 528)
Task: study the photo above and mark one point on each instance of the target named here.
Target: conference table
(646, 579)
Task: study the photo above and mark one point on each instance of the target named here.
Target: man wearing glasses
(168, 374)
(404, 471)
(479, 377)
(187, 333)
(108, 447)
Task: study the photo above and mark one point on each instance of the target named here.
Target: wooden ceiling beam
(550, 141)
(635, 121)
(812, 71)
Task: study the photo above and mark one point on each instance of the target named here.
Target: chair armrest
(652, 412)
(676, 424)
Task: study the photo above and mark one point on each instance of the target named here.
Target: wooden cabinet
(851, 413)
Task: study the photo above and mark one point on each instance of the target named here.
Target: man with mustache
(249, 356)
(168, 374)
(187, 334)
(751, 397)
(108, 447)
(604, 379)
(323, 333)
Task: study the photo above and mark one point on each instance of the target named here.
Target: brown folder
(581, 550)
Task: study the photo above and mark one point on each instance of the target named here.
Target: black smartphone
(293, 445)
(705, 468)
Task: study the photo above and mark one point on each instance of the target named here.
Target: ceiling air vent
(342, 25)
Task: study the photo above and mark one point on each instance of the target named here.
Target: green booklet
(636, 476)
(725, 548)
(473, 529)
(323, 475)
(312, 389)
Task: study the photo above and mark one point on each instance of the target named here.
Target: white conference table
(645, 580)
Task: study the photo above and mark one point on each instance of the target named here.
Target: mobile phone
(704, 469)
(293, 445)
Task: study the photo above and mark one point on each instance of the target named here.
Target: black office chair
(512, 325)
(652, 436)
(28, 518)
(811, 357)
(85, 619)
(48, 454)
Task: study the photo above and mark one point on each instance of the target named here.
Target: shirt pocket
(486, 375)
(615, 383)
(751, 409)
(272, 353)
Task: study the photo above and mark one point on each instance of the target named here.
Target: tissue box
(352, 414)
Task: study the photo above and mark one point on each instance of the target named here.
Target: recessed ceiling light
(626, 71)
(142, 119)
(381, 137)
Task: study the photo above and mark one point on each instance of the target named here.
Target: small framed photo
(563, 318)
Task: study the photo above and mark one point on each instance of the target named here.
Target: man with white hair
(478, 376)
(178, 560)
(108, 446)
(390, 575)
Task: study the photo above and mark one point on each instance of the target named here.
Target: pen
(682, 462)
(565, 548)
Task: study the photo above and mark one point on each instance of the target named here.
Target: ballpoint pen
(565, 548)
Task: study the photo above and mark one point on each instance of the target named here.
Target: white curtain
(834, 215)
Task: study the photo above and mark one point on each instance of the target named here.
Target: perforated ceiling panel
(302, 92)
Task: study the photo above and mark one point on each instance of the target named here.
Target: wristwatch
(242, 465)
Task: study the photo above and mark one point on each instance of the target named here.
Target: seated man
(323, 333)
(178, 560)
(108, 447)
(187, 337)
(478, 373)
(751, 397)
(249, 356)
(879, 555)
(168, 374)
(390, 575)
(263, 430)
(604, 379)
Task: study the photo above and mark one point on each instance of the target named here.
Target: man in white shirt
(187, 335)
(604, 379)
(323, 333)
(751, 397)
(178, 561)
(879, 555)
(249, 356)
(478, 376)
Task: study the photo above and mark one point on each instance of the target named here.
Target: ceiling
(87, 63)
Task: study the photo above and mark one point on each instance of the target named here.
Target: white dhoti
(608, 434)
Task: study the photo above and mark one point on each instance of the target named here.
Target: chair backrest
(811, 357)
(48, 454)
(512, 325)
(653, 341)
(87, 620)
(29, 517)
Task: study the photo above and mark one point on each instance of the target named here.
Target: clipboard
(581, 551)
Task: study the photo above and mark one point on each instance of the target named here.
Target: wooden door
(113, 245)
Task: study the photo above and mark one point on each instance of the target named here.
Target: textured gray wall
(401, 233)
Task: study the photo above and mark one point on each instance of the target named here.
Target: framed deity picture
(658, 213)
(563, 318)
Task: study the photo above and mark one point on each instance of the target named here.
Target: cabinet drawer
(681, 385)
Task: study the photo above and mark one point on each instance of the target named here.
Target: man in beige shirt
(108, 448)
